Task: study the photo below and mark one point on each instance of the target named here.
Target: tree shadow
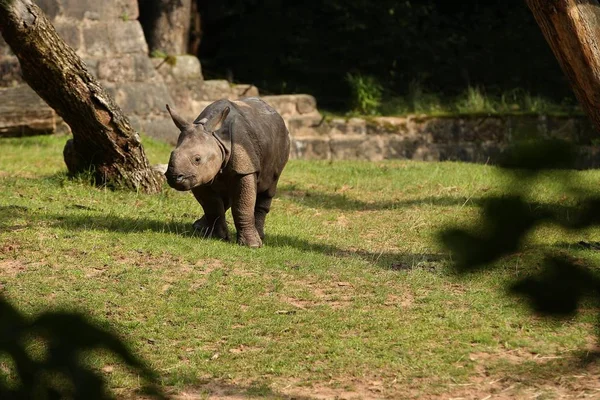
(60, 371)
(316, 199)
(386, 260)
(219, 389)
(563, 283)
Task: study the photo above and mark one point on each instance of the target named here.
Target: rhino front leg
(213, 223)
(244, 200)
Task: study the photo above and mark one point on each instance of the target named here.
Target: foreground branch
(571, 28)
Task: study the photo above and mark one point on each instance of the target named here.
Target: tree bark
(166, 25)
(104, 142)
(195, 37)
(572, 29)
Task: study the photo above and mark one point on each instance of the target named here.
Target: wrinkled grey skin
(231, 156)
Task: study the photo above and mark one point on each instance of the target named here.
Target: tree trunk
(103, 140)
(572, 29)
(195, 30)
(166, 25)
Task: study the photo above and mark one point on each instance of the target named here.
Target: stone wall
(109, 38)
(468, 138)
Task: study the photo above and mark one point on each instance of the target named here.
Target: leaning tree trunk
(572, 29)
(103, 140)
(166, 24)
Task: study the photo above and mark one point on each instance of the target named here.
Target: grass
(351, 295)
(370, 98)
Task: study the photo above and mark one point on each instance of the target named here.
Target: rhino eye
(197, 159)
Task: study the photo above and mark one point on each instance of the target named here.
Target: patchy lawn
(352, 296)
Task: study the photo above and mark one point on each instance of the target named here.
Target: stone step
(23, 112)
(306, 125)
(292, 104)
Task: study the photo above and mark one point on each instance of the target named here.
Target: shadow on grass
(316, 199)
(60, 371)
(576, 371)
(217, 389)
(74, 222)
(386, 260)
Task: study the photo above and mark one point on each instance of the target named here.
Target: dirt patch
(297, 303)
(10, 267)
(565, 376)
(336, 297)
(406, 300)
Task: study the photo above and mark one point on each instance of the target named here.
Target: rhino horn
(179, 121)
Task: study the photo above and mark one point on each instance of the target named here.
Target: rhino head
(199, 154)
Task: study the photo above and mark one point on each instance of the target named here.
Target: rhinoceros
(232, 155)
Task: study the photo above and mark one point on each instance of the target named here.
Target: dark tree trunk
(195, 30)
(572, 29)
(166, 24)
(103, 140)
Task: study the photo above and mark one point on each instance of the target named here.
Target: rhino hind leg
(262, 208)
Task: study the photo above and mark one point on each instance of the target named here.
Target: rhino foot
(215, 229)
(250, 239)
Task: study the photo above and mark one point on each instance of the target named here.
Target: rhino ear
(180, 123)
(217, 122)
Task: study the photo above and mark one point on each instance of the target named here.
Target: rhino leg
(262, 208)
(244, 201)
(213, 223)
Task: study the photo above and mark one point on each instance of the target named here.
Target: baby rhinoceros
(231, 156)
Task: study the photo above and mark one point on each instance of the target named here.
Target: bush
(367, 93)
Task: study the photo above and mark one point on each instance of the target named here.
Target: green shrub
(367, 93)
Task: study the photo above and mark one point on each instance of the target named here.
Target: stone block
(50, 7)
(92, 65)
(156, 127)
(186, 68)
(305, 104)
(95, 37)
(243, 90)
(479, 129)
(307, 125)
(10, 71)
(110, 39)
(400, 147)
(436, 130)
(140, 98)
(4, 48)
(310, 148)
(23, 112)
(353, 126)
(523, 128)
(373, 148)
(121, 10)
(387, 125)
(293, 104)
(127, 68)
(117, 69)
(216, 89)
(128, 37)
(346, 147)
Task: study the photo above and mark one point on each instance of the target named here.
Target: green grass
(371, 99)
(351, 292)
